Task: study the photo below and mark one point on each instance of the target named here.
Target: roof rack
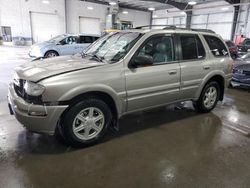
(174, 28)
(150, 26)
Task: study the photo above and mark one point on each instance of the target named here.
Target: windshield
(57, 38)
(113, 47)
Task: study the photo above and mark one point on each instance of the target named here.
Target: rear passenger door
(193, 63)
(85, 41)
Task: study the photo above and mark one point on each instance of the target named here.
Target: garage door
(44, 26)
(90, 25)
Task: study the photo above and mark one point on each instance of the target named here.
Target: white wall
(206, 18)
(16, 14)
(243, 23)
(76, 9)
(171, 16)
(216, 19)
(138, 18)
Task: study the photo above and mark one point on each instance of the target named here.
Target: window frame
(225, 45)
(180, 47)
(173, 36)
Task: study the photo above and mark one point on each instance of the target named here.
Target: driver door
(68, 45)
(158, 84)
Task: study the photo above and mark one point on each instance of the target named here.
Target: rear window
(216, 46)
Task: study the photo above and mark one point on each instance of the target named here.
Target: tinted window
(160, 48)
(247, 42)
(95, 38)
(86, 39)
(200, 47)
(229, 44)
(192, 47)
(216, 46)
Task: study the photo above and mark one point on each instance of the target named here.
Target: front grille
(19, 87)
(20, 91)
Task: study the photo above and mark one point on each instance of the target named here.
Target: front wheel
(86, 122)
(208, 98)
(50, 54)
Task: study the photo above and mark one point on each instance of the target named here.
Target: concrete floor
(167, 147)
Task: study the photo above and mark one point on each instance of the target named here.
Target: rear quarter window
(216, 46)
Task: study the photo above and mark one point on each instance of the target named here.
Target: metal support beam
(235, 19)
(189, 19)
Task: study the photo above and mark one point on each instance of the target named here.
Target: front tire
(208, 98)
(50, 54)
(86, 122)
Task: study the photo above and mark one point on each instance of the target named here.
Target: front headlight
(33, 89)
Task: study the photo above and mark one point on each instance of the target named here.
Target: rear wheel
(86, 122)
(208, 98)
(51, 54)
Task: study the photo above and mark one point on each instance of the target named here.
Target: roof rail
(150, 26)
(174, 28)
(203, 30)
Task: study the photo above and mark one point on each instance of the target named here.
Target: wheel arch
(51, 50)
(219, 78)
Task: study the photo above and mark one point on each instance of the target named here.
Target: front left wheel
(86, 122)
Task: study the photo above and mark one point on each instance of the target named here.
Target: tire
(86, 122)
(50, 54)
(207, 101)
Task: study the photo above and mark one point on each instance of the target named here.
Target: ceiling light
(224, 8)
(45, 1)
(192, 3)
(151, 8)
(112, 3)
(125, 12)
(90, 8)
(155, 16)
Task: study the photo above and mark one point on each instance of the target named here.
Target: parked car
(80, 96)
(233, 49)
(244, 47)
(241, 72)
(62, 45)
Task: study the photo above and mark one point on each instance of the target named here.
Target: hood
(41, 69)
(42, 44)
(245, 67)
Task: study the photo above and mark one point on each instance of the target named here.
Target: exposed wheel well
(51, 51)
(220, 80)
(96, 94)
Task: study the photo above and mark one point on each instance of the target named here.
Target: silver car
(62, 45)
(81, 96)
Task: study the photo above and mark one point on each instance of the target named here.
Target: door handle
(206, 67)
(171, 72)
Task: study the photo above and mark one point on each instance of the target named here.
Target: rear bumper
(36, 118)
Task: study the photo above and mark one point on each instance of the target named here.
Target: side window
(216, 46)
(86, 39)
(160, 48)
(200, 48)
(70, 40)
(95, 38)
(247, 42)
(192, 47)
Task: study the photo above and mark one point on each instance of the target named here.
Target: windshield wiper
(100, 59)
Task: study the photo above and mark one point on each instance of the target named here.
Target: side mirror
(142, 60)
